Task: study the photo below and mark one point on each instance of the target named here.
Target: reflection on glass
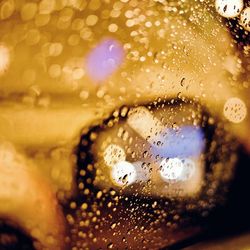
(124, 124)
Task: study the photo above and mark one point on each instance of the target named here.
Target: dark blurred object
(229, 226)
(14, 239)
(241, 242)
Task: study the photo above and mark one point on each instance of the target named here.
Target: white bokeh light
(4, 58)
(142, 121)
(235, 110)
(229, 8)
(113, 154)
(245, 18)
(171, 169)
(124, 173)
(189, 167)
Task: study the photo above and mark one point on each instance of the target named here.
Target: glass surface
(124, 124)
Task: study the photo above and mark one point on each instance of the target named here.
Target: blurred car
(124, 124)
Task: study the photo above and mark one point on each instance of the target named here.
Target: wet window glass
(124, 124)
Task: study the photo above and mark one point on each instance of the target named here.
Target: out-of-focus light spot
(84, 95)
(7, 9)
(145, 124)
(235, 110)
(176, 169)
(47, 6)
(130, 23)
(245, 18)
(52, 49)
(188, 141)
(77, 24)
(113, 27)
(28, 11)
(73, 39)
(91, 20)
(93, 4)
(229, 8)
(123, 173)
(104, 60)
(113, 154)
(189, 167)
(171, 169)
(76, 4)
(4, 59)
(78, 73)
(42, 19)
(86, 33)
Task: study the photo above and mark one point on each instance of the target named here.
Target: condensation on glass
(121, 120)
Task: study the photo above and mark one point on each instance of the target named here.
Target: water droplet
(99, 195)
(113, 225)
(110, 246)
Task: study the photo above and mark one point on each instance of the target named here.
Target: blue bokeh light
(187, 141)
(104, 59)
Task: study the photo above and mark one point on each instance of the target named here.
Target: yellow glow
(4, 58)
(235, 110)
(114, 154)
(7, 153)
(47, 6)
